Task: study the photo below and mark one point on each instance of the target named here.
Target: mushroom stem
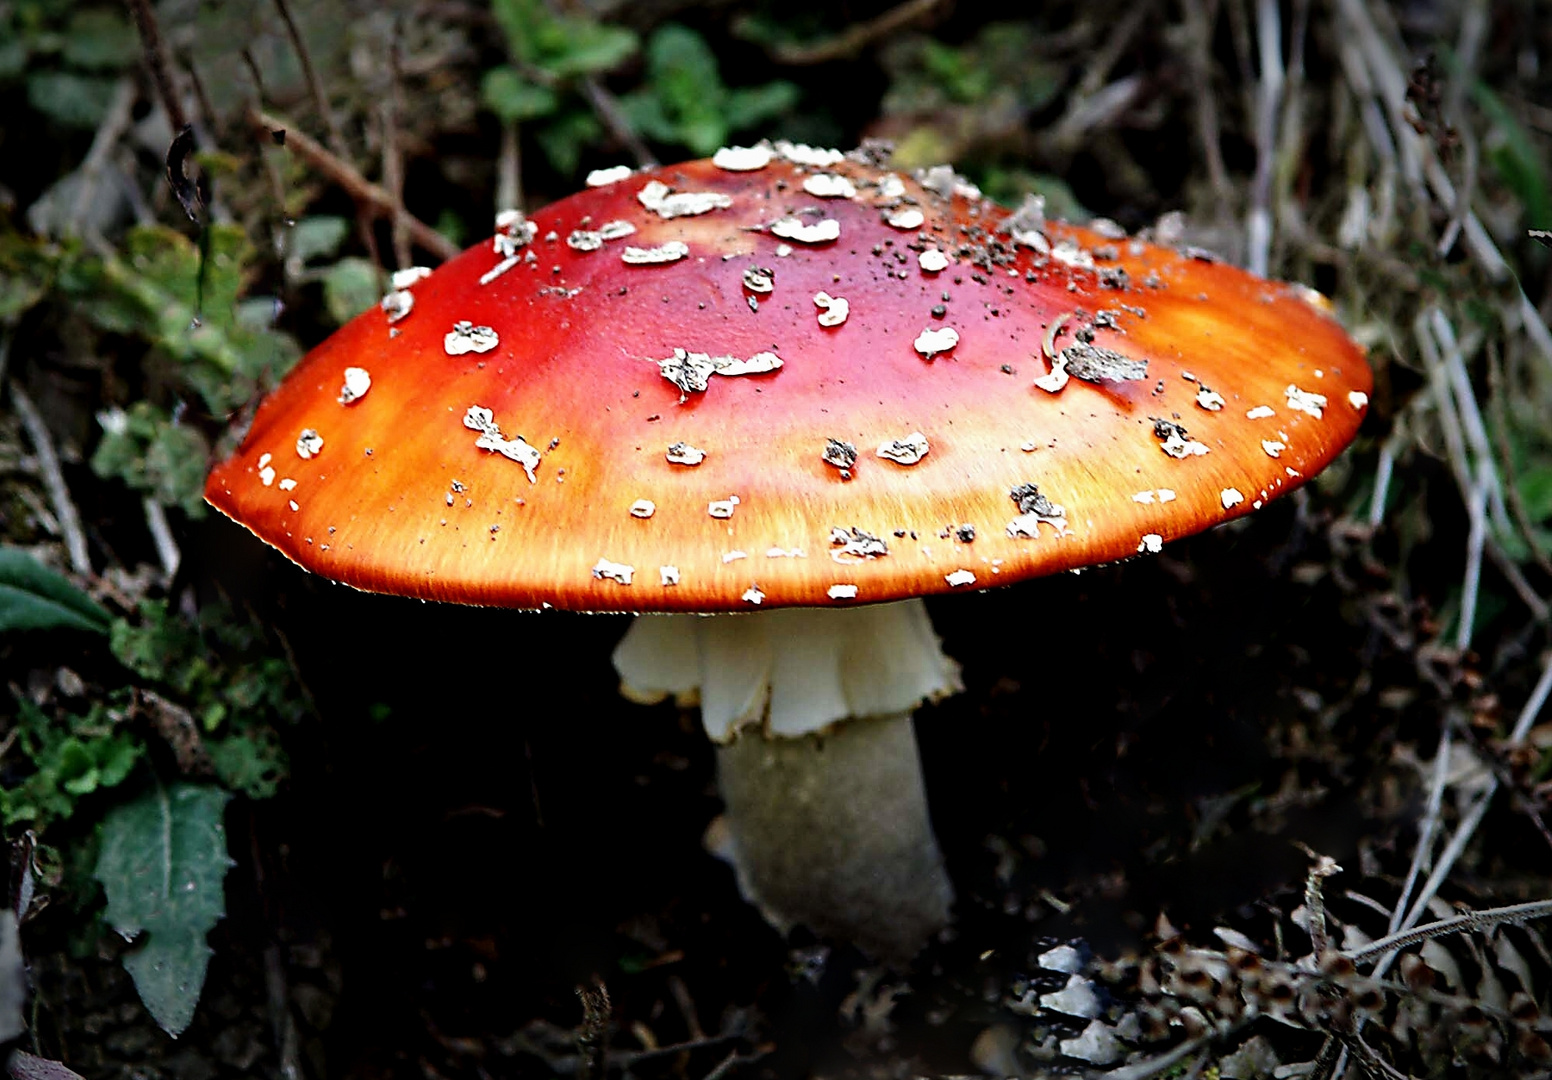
(832, 831)
(827, 821)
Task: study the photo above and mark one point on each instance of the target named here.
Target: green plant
(686, 103)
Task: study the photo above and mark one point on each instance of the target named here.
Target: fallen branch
(357, 186)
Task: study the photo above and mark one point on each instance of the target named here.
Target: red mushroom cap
(705, 388)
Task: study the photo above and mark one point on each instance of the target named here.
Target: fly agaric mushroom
(787, 378)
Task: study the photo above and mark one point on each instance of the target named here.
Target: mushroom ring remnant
(595, 373)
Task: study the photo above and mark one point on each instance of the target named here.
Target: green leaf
(588, 48)
(33, 597)
(101, 38)
(317, 237)
(79, 101)
(513, 98)
(162, 861)
(252, 763)
(350, 287)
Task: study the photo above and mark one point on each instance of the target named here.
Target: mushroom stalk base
(831, 830)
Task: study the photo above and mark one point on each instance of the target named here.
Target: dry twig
(357, 186)
(53, 479)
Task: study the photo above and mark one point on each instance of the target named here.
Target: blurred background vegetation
(1393, 155)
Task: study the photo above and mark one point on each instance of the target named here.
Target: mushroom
(596, 427)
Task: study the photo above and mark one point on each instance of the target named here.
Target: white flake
(643, 508)
(478, 418)
(1166, 495)
(1231, 498)
(691, 372)
(294, 507)
(465, 337)
(614, 230)
(668, 575)
(733, 556)
(666, 203)
(357, 382)
(958, 578)
(891, 187)
(267, 475)
(785, 553)
(1210, 400)
(1065, 251)
(821, 232)
(1357, 398)
(907, 451)
(931, 342)
(812, 156)
(308, 444)
(906, 219)
(742, 158)
(722, 508)
(1152, 543)
(500, 268)
(406, 278)
(1177, 447)
(613, 571)
(849, 545)
(397, 304)
(682, 453)
(829, 186)
(287, 484)
(832, 309)
(612, 175)
(585, 240)
(1304, 401)
(265, 459)
(672, 251)
(752, 595)
(1273, 448)
(1260, 412)
(842, 592)
(932, 261)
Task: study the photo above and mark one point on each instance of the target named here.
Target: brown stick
(857, 37)
(357, 186)
(156, 60)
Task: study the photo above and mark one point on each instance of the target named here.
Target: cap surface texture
(705, 389)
